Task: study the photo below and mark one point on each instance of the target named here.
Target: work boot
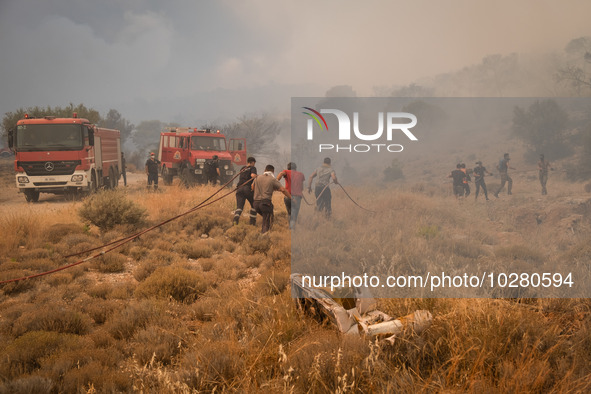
(237, 214)
(253, 217)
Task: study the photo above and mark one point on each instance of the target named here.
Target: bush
(108, 209)
(179, 283)
(110, 263)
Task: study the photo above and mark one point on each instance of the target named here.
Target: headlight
(199, 160)
(200, 165)
(22, 179)
(226, 167)
(77, 178)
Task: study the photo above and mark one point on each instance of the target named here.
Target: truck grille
(33, 168)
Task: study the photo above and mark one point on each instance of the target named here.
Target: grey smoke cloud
(158, 59)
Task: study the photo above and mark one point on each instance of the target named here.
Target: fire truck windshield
(208, 143)
(48, 137)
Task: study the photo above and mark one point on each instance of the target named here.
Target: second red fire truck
(186, 152)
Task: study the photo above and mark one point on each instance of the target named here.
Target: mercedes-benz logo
(49, 166)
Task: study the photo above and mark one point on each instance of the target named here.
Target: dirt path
(11, 200)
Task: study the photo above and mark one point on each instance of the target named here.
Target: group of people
(461, 177)
(258, 191)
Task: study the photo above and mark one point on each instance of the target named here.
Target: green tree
(260, 131)
(114, 120)
(577, 71)
(542, 127)
(10, 118)
(146, 135)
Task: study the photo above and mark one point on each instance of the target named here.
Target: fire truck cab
(187, 152)
(64, 155)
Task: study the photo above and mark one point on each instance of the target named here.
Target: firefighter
(458, 177)
(543, 166)
(503, 168)
(244, 191)
(123, 169)
(294, 183)
(152, 166)
(479, 172)
(323, 197)
(213, 170)
(466, 180)
(263, 187)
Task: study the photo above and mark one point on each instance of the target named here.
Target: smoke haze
(201, 61)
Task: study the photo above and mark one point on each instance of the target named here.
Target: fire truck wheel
(93, 184)
(112, 179)
(31, 195)
(166, 176)
(187, 178)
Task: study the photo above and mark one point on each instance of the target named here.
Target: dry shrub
(76, 243)
(205, 221)
(207, 264)
(195, 249)
(57, 231)
(156, 344)
(256, 242)
(21, 286)
(255, 260)
(274, 282)
(519, 252)
(138, 252)
(145, 269)
(35, 253)
(59, 278)
(100, 290)
(26, 353)
(108, 209)
(124, 324)
(21, 229)
(123, 291)
(181, 284)
(100, 311)
(93, 376)
(28, 384)
(110, 263)
(237, 233)
(56, 319)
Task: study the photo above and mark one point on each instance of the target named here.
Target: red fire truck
(185, 152)
(64, 155)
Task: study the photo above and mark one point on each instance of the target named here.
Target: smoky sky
(153, 59)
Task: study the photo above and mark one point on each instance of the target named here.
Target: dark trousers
(480, 184)
(466, 189)
(213, 179)
(124, 173)
(287, 202)
(265, 209)
(543, 180)
(153, 178)
(505, 178)
(242, 195)
(323, 199)
(296, 201)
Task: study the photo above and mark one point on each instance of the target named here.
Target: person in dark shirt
(152, 167)
(543, 166)
(503, 168)
(458, 176)
(213, 170)
(466, 180)
(123, 169)
(479, 172)
(244, 191)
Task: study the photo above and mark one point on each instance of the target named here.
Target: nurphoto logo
(395, 122)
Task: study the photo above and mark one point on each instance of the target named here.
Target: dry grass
(199, 305)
